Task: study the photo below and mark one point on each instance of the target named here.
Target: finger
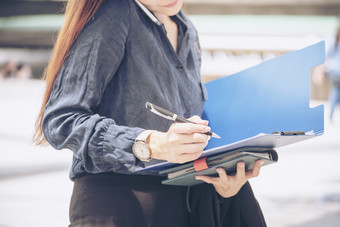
(189, 128)
(179, 139)
(241, 174)
(206, 179)
(196, 119)
(188, 157)
(187, 148)
(191, 148)
(194, 138)
(222, 174)
(256, 169)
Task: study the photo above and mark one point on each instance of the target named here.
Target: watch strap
(144, 135)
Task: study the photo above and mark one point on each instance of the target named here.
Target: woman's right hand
(183, 142)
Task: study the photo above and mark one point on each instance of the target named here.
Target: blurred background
(302, 189)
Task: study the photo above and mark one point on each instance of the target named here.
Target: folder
(255, 107)
(185, 174)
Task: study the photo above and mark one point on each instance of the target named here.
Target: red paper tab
(201, 164)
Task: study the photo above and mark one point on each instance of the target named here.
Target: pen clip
(153, 110)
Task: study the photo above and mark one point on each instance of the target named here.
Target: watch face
(141, 151)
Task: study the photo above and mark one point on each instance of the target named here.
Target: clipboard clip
(291, 133)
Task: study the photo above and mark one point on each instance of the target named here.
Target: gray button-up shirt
(120, 61)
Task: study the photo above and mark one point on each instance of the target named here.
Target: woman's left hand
(229, 185)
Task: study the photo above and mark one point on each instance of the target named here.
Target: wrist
(155, 143)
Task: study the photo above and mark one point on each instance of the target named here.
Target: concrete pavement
(302, 189)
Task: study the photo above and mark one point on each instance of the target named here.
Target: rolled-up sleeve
(70, 118)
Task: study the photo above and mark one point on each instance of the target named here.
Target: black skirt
(210, 209)
(117, 200)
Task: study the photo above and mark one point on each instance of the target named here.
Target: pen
(173, 117)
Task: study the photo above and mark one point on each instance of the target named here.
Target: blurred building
(234, 34)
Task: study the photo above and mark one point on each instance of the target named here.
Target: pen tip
(216, 136)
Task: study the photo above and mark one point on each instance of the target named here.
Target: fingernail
(197, 178)
(261, 162)
(207, 129)
(241, 164)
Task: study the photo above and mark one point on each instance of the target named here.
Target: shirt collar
(148, 13)
(182, 23)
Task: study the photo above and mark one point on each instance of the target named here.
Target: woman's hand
(183, 142)
(228, 186)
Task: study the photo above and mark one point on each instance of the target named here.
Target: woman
(110, 58)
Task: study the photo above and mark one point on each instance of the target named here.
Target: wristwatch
(140, 148)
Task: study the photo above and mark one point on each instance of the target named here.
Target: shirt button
(180, 67)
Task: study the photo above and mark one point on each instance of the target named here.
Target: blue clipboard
(247, 107)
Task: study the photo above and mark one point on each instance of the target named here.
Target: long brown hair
(77, 14)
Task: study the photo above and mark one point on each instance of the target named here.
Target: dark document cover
(184, 175)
